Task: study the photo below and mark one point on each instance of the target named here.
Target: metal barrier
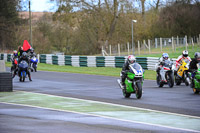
(147, 63)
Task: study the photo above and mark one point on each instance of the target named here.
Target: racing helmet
(165, 56)
(131, 59)
(24, 54)
(31, 50)
(185, 53)
(15, 52)
(197, 57)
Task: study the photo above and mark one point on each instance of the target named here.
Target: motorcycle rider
(24, 57)
(164, 57)
(20, 51)
(183, 57)
(32, 53)
(14, 56)
(193, 66)
(130, 60)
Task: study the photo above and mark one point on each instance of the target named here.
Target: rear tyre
(177, 80)
(195, 91)
(125, 94)
(138, 89)
(12, 71)
(158, 80)
(170, 80)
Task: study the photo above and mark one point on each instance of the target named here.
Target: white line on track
(196, 117)
(107, 117)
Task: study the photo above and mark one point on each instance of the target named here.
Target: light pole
(133, 21)
(30, 23)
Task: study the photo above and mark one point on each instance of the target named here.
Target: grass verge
(105, 71)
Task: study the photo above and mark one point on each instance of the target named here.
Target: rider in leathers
(130, 60)
(193, 66)
(24, 57)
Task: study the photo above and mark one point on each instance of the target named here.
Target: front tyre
(23, 76)
(138, 89)
(170, 80)
(195, 91)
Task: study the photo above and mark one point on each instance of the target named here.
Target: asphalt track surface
(15, 118)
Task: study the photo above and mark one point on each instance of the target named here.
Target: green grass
(156, 52)
(105, 71)
(172, 54)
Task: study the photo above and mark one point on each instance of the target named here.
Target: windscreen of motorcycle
(23, 64)
(136, 68)
(168, 63)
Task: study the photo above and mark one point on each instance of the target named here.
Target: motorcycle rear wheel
(177, 80)
(195, 91)
(158, 80)
(125, 94)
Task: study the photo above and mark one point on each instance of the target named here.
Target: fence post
(172, 44)
(192, 45)
(156, 42)
(161, 44)
(199, 39)
(149, 46)
(110, 49)
(128, 47)
(118, 49)
(102, 51)
(139, 47)
(177, 41)
(185, 42)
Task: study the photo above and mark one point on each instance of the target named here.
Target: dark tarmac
(179, 99)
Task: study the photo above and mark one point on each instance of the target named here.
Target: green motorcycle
(133, 82)
(196, 88)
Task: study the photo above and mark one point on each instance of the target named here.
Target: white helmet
(131, 59)
(185, 53)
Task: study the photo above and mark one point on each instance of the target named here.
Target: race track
(176, 100)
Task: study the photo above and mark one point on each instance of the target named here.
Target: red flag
(26, 45)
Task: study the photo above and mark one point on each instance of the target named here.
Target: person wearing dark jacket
(193, 66)
(130, 60)
(25, 58)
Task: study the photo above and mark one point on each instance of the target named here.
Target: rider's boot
(192, 83)
(29, 76)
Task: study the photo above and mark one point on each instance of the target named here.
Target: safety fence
(147, 63)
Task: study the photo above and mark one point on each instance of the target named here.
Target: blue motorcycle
(34, 62)
(23, 70)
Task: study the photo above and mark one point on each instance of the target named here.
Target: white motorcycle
(166, 74)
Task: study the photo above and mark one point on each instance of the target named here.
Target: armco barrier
(100, 61)
(119, 61)
(83, 61)
(75, 61)
(55, 60)
(9, 57)
(147, 63)
(43, 58)
(68, 60)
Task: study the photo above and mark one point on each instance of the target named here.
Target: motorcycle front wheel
(170, 80)
(138, 89)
